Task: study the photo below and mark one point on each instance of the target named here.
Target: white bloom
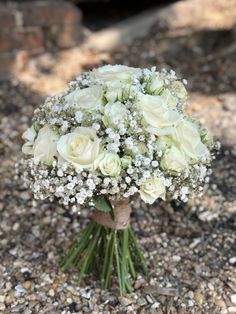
(188, 139)
(117, 91)
(156, 85)
(80, 148)
(152, 189)
(45, 145)
(160, 119)
(164, 142)
(29, 136)
(89, 99)
(115, 114)
(174, 160)
(120, 73)
(109, 164)
(79, 116)
(169, 99)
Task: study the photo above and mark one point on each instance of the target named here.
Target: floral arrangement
(115, 132)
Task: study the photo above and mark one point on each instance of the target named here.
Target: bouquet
(115, 132)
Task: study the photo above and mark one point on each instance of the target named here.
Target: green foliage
(102, 203)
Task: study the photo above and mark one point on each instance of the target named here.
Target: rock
(73, 307)
(26, 274)
(19, 289)
(232, 260)
(51, 292)
(233, 298)
(125, 301)
(85, 309)
(149, 299)
(112, 300)
(137, 284)
(26, 285)
(221, 304)
(141, 301)
(86, 293)
(155, 305)
(198, 297)
(2, 306)
(176, 258)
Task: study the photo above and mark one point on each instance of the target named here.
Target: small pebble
(19, 289)
(149, 299)
(26, 285)
(232, 309)
(141, 301)
(125, 301)
(86, 293)
(137, 284)
(198, 297)
(176, 258)
(26, 275)
(2, 306)
(233, 298)
(73, 307)
(51, 292)
(155, 305)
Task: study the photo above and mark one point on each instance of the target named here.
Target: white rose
(174, 160)
(120, 73)
(117, 91)
(90, 98)
(160, 119)
(45, 145)
(164, 142)
(169, 99)
(80, 148)
(29, 136)
(109, 164)
(155, 85)
(115, 114)
(152, 189)
(188, 139)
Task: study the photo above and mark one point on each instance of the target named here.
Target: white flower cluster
(117, 131)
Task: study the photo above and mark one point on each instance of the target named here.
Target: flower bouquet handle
(107, 245)
(114, 133)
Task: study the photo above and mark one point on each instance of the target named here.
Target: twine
(121, 220)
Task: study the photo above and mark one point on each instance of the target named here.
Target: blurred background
(44, 45)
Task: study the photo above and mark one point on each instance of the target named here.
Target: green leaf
(102, 203)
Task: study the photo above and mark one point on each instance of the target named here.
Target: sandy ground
(190, 249)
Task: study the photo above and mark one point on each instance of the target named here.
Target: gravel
(189, 248)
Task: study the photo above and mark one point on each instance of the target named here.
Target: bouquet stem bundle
(106, 251)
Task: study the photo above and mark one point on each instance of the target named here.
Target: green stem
(106, 250)
(106, 258)
(138, 252)
(76, 247)
(110, 262)
(131, 266)
(88, 255)
(118, 262)
(124, 250)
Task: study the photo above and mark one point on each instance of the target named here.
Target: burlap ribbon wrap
(121, 210)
